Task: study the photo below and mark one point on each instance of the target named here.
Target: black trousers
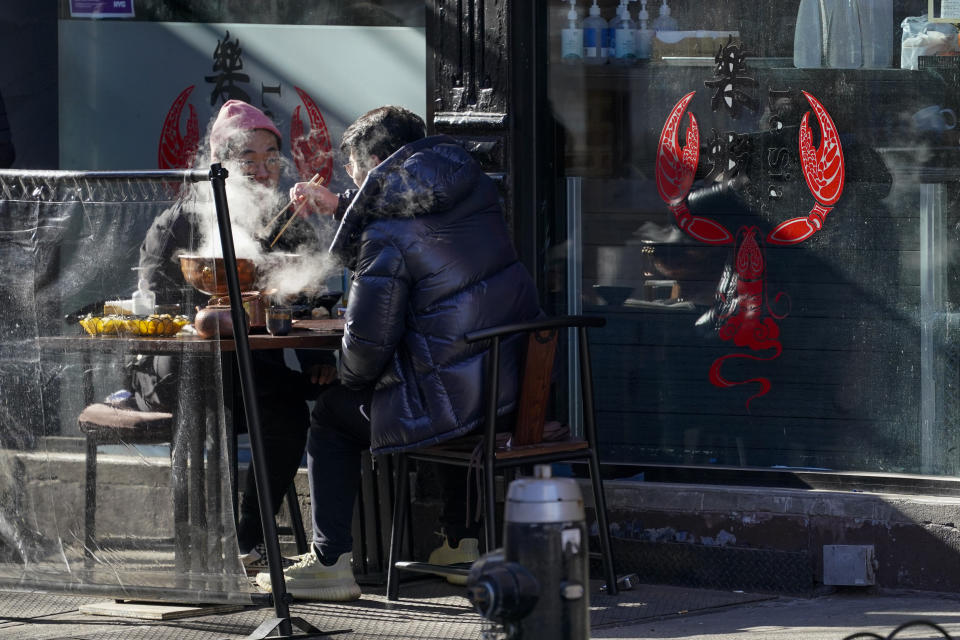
(339, 433)
(285, 420)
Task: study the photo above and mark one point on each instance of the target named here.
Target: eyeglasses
(271, 163)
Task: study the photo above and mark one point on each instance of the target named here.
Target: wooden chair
(526, 446)
(104, 424)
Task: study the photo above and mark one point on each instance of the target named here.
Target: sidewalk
(830, 617)
(433, 609)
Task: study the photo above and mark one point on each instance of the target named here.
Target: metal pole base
(309, 631)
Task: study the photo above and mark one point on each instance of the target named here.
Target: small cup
(279, 320)
(934, 118)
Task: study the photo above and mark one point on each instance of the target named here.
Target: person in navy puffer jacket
(431, 256)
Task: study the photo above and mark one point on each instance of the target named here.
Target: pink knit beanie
(236, 116)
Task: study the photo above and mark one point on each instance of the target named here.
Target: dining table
(197, 541)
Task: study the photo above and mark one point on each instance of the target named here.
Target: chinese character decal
(729, 155)
(731, 84)
(227, 63)
(743, 311)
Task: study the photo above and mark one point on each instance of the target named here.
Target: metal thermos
(536, 586)
(545, 532)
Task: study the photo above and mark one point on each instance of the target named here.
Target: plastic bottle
(876, 32)
(644, 36)
(144, 300)
(844, 42)
(808, 36)
(664, 21)
(624, 36)
(571, 38)
(595, 37)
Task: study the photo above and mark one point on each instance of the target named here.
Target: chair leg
(400, 504)
(601, 504)
(181, 506)
(489, 505)
(296, 519)
(90, 498)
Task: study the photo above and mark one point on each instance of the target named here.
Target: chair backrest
(535, 387)
(537, 373)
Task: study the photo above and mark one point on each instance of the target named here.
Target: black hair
(382, 131)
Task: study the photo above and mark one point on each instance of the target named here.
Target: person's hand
(313, 199)
(322, 373)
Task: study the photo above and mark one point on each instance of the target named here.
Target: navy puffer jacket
(432, 260)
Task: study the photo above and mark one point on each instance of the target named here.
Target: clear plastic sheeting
(131, 504)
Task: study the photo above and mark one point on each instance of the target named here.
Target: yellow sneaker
(310, 579)
(468, 551)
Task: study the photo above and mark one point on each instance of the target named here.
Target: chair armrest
(534, 325)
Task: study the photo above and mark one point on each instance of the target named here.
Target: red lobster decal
(824, 173)
(177, 151)
(747, 323)
(675, 171)
(311, 152)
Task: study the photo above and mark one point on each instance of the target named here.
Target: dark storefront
(773, 247)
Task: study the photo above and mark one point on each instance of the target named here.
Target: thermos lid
(543, 499)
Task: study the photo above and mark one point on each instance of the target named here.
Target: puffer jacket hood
(431, 175)
(432, 260)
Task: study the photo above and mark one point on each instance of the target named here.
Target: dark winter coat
(432, 260)
(154, 379)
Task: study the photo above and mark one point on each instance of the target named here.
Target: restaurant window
(140, 81)
(117, 448)
(773, 247)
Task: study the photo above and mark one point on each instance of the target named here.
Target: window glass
(374, 13)
(142, 93)
(119, 407)
(772, 246)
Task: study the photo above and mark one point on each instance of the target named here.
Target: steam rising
(281, 272)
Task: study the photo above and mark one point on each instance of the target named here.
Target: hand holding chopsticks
(315, 180)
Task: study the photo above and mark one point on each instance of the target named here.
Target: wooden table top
(305, 334)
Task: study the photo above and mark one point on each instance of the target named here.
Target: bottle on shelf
(624, 37)
(844, 40)
(808, 37)
(664, 21)
(644, 36)
(595, 37)
(571, 38)
(876, 32)
(144, 301)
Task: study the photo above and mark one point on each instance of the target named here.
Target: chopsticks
(316, 180)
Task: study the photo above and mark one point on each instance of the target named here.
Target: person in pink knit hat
(243, 134)
(247, 143)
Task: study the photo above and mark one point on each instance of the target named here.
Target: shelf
(779, 65)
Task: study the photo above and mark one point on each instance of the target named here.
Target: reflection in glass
(844, 48)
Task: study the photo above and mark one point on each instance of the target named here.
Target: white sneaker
(255, 560)
(467, 552)
(310, 579)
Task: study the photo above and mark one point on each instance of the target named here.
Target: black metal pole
(218, 176)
